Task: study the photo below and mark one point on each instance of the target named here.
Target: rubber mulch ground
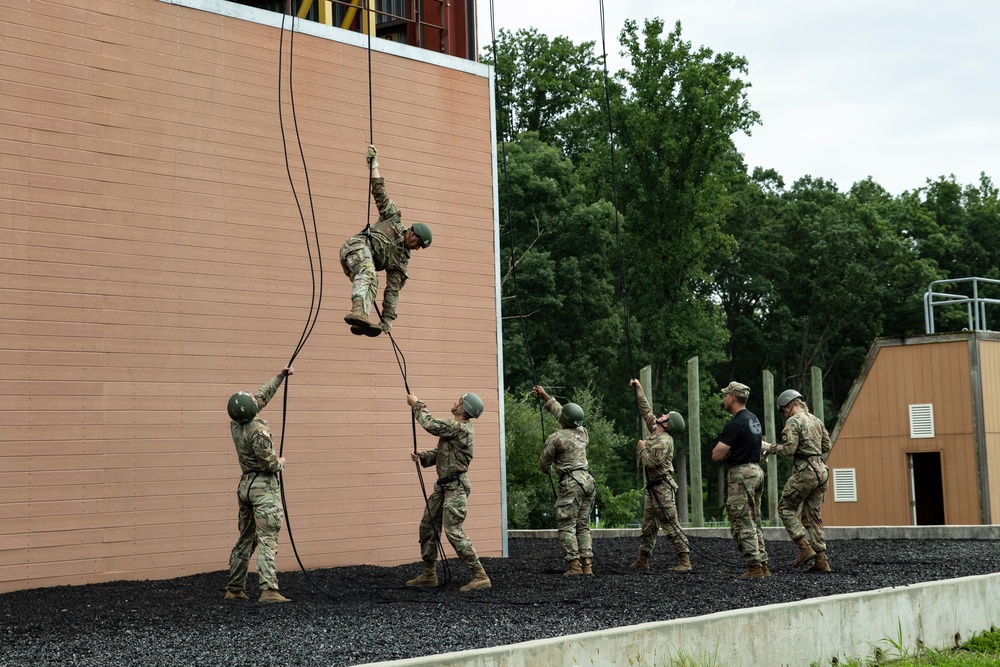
(373, 616)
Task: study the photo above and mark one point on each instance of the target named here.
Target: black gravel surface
(373, 616)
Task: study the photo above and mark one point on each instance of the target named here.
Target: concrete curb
(938, 614)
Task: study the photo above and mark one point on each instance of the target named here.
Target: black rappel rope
(317, 294)
(624, 289)
(400, 358)
(510, 227)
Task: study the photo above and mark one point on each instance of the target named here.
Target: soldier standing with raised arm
(656, 454)
(566, 449)
(446, 507)
(258, 494)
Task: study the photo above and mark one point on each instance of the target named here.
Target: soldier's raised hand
(371, 154)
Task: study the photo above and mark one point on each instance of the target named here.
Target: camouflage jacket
(657, 457)
(454, 449)
(388, 246)
(803, 437)
(254, 445)
(566, 448)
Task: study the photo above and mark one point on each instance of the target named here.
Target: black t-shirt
(743, 435)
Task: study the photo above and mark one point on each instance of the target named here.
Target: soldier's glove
(371, 155)
(385, 325)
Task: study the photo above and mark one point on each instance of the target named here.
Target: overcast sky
(899, 90)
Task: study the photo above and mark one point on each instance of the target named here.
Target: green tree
(564, 295)
(539, 83)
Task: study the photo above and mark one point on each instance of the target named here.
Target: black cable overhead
(623, 282)
(510, 228)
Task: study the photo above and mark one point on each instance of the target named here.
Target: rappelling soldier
(258, 494)
(446, 506)
(384, 246)
(566, 450)
(807, 441)
(656, 454)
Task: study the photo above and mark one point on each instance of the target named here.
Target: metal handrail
(975, 305)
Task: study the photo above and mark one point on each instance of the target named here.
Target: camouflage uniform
(660, 510)
(743, 496)
(567, 450)
(259, 497)
(806, 439)
(446, 506)
(743, 434)
(387, 252)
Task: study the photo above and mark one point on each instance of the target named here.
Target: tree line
(679, 250)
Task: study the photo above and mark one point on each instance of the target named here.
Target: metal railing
(975, 305)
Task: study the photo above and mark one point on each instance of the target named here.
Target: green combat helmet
(787, 397)
(676, 424)
(472, 405)
(572, 415)
(423, 231)
(242, 407)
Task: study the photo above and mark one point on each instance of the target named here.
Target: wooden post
(769, 435)
(694, 442)
(816, 401)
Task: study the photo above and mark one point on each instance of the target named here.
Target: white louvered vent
(922, 420)
(845, 486)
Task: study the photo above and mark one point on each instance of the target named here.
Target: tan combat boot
(765, 569)
(683, 562)
(358, 318)
(806, 552)
(236, 595)
(427, 579)
(269, 596)
(574, 568)
(642, 562)
(753, 572)
(587, 565)
(479, 580)
(821, 564)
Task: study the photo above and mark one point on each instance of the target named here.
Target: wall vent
(845, 485)
(922, 420)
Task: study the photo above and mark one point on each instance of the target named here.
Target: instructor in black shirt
(739, 446)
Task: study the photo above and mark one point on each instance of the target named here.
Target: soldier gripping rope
(807, 441)
(384, 246)
(446, 506)
(656, 454)
(740, 447)
(258, 494)
(566, 449)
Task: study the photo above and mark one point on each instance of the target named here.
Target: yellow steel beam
(304, 8)
(352, 11)
(326, 12)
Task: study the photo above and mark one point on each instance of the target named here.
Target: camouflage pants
(660, 511)
(356, 260)
(446, 508)
(746, 488)
(574, 502)
(806, 488)
(260, 520)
